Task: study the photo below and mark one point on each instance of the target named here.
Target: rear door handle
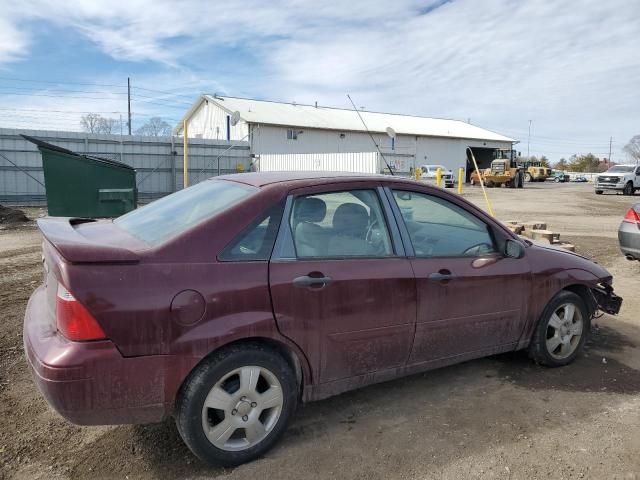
(443, 275)
(307, 281)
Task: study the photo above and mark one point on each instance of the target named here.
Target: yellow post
(460, 175)
(438, 176)
(418, 173)
(185, 151)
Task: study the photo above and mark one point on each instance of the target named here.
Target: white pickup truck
(430, 172)
(625, 178)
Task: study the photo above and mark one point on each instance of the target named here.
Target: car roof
(261, 179)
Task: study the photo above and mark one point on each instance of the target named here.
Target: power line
(62, 91)
(61, 83)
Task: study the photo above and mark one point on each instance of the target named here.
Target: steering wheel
(374, 238)
(478, 250)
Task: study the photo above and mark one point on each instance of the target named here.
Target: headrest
(310, 209)
(351, 219)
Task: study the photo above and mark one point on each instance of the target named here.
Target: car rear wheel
(236, 404)
(561, 330)
(598, 192)
(628, 189)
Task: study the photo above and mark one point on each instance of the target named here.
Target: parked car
(559, 177)
(431, 171)
(624, 178)
(580, 179)
(231, 301)
(629, 233)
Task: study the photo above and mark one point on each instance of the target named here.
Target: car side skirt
(325, 390)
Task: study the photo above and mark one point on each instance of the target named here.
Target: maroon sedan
(227, 303)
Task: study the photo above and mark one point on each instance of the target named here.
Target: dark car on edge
(226, 304)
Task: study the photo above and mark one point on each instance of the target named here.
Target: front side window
(174, 214)
(340, 224)
(439, 228)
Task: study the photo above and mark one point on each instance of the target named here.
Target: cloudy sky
(572, 68)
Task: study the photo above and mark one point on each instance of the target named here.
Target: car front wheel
(561, 330)
(236, 404)
(628, 189)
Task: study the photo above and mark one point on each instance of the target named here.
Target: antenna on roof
(370, 135)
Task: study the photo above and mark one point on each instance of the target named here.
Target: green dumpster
(84, 185)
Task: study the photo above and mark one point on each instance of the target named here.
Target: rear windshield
(171, 215)
(620, 169)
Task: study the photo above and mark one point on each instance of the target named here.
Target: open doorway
(483, 155)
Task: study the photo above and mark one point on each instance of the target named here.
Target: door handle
(307, 281)
(443, 275)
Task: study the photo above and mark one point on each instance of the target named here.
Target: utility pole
(528, 139)
(129, 102)
(610, 143)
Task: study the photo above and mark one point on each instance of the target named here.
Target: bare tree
(94, 123)
(155, 127)
(633, 148)
(90, 122)
(108, 125)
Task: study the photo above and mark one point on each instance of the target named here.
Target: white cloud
(13, 42)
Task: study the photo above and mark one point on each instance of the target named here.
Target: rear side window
(255, 243)
(171, 215)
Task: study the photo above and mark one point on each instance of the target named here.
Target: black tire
(598, 192)
(520, 181)
(538, 348)
(628, 189)
(528, 177)
(194, 391)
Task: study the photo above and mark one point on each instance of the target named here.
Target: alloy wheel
(564, 331)
(242, 408)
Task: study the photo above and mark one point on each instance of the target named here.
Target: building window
(292, 134)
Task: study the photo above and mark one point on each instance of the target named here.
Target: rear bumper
(91, 383)
(629, 238)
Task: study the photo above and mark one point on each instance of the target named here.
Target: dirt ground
(499, 417)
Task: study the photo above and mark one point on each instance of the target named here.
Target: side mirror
(514, 249)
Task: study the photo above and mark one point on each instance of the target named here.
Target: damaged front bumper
(606, 300)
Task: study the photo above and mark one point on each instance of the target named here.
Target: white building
(289, 128)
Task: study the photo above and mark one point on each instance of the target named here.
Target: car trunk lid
(80, 240)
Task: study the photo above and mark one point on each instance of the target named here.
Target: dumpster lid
(56, 148)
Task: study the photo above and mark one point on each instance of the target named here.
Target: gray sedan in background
(629, 233)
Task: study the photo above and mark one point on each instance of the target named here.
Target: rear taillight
(632, 217)
(73, 320)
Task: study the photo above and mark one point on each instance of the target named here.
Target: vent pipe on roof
(316, 104)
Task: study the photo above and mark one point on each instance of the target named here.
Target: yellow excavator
(504, 170)
(535, 171)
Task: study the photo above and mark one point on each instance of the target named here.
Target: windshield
(171, 215)
(621, 169)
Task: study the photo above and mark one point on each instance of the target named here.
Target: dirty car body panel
(341, 320)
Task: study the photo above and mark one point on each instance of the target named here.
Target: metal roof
(330, 118)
